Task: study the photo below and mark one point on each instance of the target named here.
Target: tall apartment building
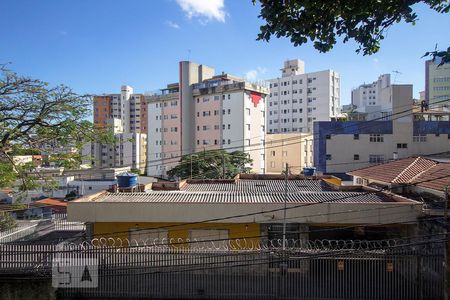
(125, 114)
(374, 99)
(205, 112)
(437, 82)
(297, 99)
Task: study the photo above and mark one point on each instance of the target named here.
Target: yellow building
(295, 149)
(437, 82)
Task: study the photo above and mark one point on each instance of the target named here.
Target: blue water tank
(309, 171)
(126, 180)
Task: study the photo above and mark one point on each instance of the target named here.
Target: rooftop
(258, 190)
(420, 171)
(246, 197)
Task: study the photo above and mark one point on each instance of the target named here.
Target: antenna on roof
(396, 73)
(189, 55)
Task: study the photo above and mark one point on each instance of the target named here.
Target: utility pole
(285, 203)
(223, 165)
(447, 246)
(190, 156)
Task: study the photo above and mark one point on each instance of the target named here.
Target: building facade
(205, 112)
(437, 83)
(294, 149)
(126, 115)
(374, 99)
(340, 147)
(297, 99)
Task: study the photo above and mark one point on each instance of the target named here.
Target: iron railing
(381, 270)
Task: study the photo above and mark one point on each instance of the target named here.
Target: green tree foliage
(33, 114)
(210, 165)
(6, 221)
(323, 21)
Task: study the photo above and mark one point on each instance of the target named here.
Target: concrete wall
(333, 213)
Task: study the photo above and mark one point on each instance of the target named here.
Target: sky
(95, 46)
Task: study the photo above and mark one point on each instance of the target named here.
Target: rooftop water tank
(126, 180)
(311, 171)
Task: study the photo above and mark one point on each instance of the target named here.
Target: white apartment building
(125, 114)
(374, 99)
(205, 112)
(298, 99)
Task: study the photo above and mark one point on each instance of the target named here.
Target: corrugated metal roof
(259, 186)
(243, 197)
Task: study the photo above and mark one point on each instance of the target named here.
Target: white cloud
(375, 60)
(211, 9)
(255, 74)
(173, 25)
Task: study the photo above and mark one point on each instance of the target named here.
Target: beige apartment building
(295, 149)
(204, 112)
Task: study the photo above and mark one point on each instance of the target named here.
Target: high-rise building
(125, 114)
(376, 100)
(437, 83)
(373, 98)
(297, 99)
(205, 112)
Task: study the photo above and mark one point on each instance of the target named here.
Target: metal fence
(17, 233)
(61, 223)
(388, 272)
(28, 230)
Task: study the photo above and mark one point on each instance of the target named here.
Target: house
(248, 207)
(422, 178)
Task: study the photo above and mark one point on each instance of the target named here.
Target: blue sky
(95, 46)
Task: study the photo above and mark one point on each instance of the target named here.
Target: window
(248, 111)
(328, 136)
(229, 126)
(272, 153)
(402, 146)
(248, 126)
(376, 138)
(328, 157)
(356, 136)
(285, 153)
(272, 164)
(355, 156)
(420, 138)
(229, 96)
(376, 158)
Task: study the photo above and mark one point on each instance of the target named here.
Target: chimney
(394, 155)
